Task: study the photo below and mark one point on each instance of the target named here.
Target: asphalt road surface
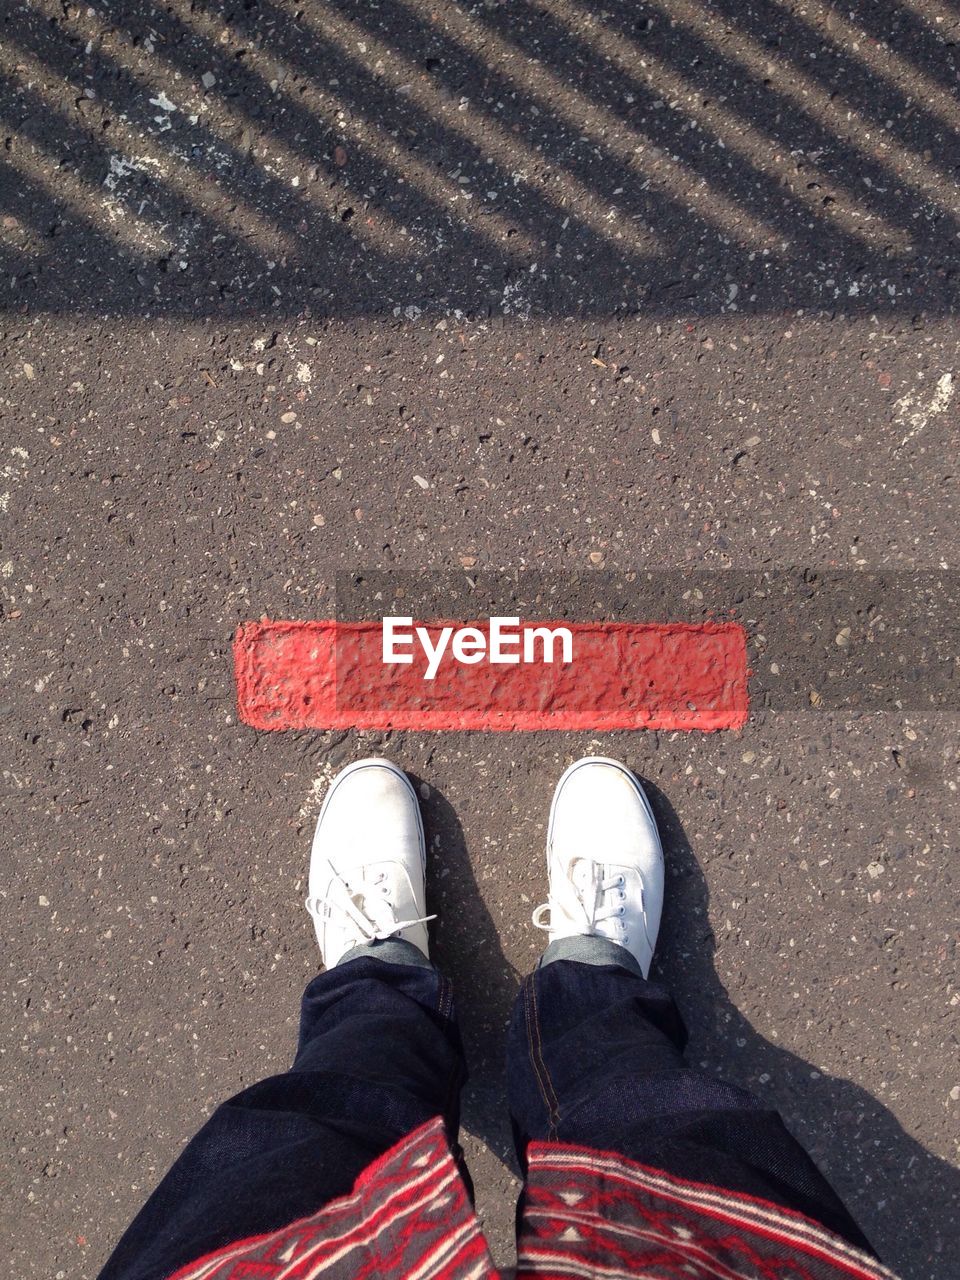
(299, 292)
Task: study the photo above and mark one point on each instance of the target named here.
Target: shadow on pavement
(904, 1198)
(536, 157)
(467, 948)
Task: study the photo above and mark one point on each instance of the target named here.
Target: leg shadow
(467, 949)
(906, 1200)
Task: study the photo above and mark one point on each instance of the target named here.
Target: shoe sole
(616, 764)
(375, 762)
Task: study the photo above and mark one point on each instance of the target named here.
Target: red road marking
(623, 676)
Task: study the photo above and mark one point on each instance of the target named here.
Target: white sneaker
(367, 862)
(604, 859)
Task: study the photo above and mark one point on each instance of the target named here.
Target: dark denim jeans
(595, 1057)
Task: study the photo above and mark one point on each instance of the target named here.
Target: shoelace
(375, 921)
(591, 914)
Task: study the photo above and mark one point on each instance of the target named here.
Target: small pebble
(290, 416)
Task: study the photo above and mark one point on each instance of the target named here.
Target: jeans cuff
(587, 948)
(390, 950)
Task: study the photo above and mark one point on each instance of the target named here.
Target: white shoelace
(369, 911)
(590, 913)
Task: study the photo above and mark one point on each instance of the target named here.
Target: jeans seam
(442, 992)
(458, 1072)
(536, 1058)
(530, 1050)
(555, 1110)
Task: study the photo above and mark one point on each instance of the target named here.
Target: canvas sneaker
(604, 860)
(368, 861)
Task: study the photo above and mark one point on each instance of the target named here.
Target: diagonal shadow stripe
(669, 128)
(192, 146)
(841, 71)
(925, 42)
(681, 48)
(375, 97)
(404, 162)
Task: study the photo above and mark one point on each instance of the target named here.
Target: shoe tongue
(375, 905)
(586, 874)
(581, 897)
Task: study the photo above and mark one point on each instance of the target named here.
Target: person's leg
(596, 1049)
(379, 1051)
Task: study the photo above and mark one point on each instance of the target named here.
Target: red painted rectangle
(623, 675)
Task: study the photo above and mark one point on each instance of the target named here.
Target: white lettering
(547, 637)
(391, 639)
(505, 643)
(498, 640)
(470, 645)
(434, 652)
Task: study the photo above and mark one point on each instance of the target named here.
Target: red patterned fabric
(588, 1215)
